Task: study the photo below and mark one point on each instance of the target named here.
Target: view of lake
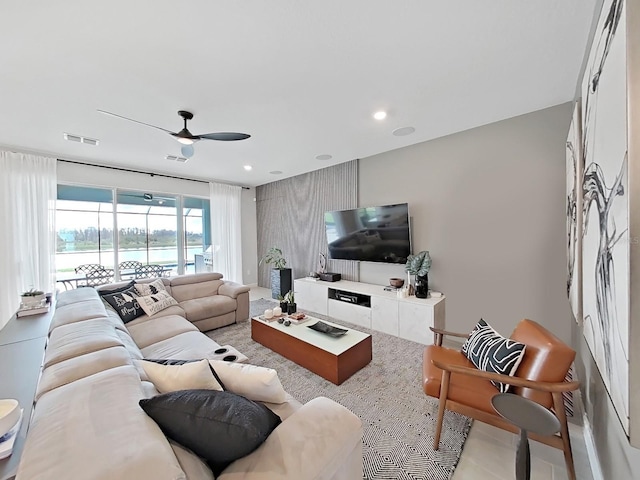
(67, 261)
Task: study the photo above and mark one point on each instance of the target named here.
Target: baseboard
(592, 452)
(251, 285)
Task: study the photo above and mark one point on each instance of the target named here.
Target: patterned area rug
(398, 418)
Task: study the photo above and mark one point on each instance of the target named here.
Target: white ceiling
(303, 78)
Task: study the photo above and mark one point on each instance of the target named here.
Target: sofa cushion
(323, 436)
(156, 302)
(187, 376)
(206, 307)
(158, 329)
(218, 426)
(68, 341)
(125, 303)
(186, 346)
(78, 311)
(193, 466)
(256, 383)
(491, 352)
(82, 366)
(93, 428)
(172, 310)
(188, 287)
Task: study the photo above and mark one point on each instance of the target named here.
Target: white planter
(32, 301)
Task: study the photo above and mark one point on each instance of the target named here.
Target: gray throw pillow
(217, 426)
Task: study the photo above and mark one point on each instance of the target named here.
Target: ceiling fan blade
(187, 151)
(136, 121)
(224, 136)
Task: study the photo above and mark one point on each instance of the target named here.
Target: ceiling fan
(184, 136)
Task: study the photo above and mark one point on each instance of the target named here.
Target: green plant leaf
(418, 264)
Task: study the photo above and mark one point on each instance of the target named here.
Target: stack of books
(8, 439)
(25, 310)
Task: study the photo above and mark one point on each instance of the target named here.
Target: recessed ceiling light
(381, 115)
(248, 167)
(324, 157)
(276, 172)
(401, 132)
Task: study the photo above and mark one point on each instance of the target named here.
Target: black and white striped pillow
(491, 352)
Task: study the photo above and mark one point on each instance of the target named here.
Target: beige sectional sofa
(87, 422)
(205, 299)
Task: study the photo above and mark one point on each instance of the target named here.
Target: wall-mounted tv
(369, 234)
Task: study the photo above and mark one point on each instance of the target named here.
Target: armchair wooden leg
(558, 406)
(444, 391)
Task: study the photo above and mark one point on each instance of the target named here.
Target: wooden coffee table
(333, 358)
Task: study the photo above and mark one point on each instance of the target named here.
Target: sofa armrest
(232, 289)
(314, 442)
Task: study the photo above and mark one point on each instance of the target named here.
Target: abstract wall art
(605, 210)
(575, 168)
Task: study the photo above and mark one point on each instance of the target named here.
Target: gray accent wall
(290, 215)
(488, 204)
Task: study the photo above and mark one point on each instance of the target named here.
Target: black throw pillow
(217, 426)
(125, 304)
(104, 292)
(170, 361)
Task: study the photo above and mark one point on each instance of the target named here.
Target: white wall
(488, 204)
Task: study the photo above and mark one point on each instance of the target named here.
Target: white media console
(371, 306)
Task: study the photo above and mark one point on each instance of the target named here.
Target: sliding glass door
(153, 229)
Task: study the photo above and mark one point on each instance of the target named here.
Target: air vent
(80, 139)
(174, 158)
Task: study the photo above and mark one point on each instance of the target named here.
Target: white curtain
(226, 239)
(27, 237)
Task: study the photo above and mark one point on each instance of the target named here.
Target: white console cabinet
(371, 306)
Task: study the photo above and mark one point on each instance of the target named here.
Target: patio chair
(100, 276)
(127, 269)
(86, 269)
(149, 271)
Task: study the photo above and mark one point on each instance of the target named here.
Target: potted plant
(291, 302)
(284, 306)
(32, 297)
(419, 266)
(281, 282)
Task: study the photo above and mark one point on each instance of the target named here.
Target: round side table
(528, 416)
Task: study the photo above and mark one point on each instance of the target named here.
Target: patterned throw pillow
(125, 303)
(152, 304)
(152, 288)
(491, 352)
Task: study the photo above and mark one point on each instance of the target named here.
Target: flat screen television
(369, 234)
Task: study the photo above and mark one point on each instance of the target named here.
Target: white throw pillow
(152, 304)
(189, 376)
(259, 384)
(150, 288)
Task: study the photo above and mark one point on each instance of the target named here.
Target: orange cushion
(471, 391)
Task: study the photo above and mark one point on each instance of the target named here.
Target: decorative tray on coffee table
(330, 330)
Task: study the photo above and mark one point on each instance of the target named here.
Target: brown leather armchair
(449, 376)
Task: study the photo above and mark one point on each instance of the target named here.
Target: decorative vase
(280, 282)
(292, 308)
(422, 286)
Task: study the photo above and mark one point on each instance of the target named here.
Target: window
(147, 227)
(84, 227)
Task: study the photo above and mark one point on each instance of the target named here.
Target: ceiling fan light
(185, 141)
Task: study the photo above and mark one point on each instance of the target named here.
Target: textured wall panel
(290, 215)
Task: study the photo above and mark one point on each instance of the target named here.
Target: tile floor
(489, 453)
